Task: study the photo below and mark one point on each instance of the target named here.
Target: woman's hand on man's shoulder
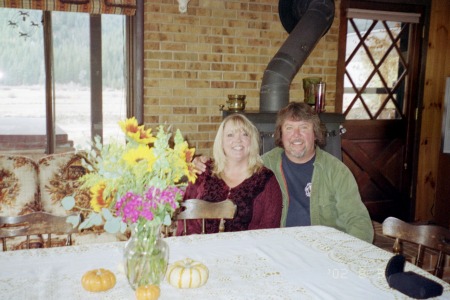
(200, 163)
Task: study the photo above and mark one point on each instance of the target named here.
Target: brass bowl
(236, 102)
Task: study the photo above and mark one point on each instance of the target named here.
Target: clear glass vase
(146, 255)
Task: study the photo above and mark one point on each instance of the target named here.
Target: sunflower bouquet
(137, 181)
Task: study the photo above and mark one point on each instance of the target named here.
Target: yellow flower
(135, 155)
(189, 154)
(190, 173)
(186, 154)
(144, 162)
(97, 198)
(137, 133)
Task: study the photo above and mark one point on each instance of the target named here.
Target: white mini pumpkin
(187, 273)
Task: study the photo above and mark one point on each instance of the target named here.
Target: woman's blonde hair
(241, 122)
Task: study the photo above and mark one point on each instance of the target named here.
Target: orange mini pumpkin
(148, 292)
(98, 280)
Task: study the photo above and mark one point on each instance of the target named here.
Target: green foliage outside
(22, 49)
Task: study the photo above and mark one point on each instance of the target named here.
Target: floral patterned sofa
(27, 186)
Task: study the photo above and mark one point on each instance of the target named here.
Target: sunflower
(144, 162)
(190, 173)
(135, 132)
(135, 155)
(98, 200)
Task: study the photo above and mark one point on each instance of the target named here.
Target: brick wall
(192, 61)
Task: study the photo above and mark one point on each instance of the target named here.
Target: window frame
(133, 68)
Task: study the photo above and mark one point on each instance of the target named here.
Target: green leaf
(107, 214)
(98, 142)
(68, 202)
(123, 227)
(94, 219)
(85, 224)
(113, 225)
(167, 220)
(74, 220)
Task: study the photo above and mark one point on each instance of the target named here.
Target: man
(318, 189)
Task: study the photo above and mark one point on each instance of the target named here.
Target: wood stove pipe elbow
(306, 21)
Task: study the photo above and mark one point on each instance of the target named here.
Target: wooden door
(375, 153)
(379, 99)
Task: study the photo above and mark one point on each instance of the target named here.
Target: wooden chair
(36, 224)
(200, 209)
(431, 237)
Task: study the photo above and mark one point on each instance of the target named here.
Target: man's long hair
(299, 111)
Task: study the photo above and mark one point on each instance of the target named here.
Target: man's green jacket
(335, 200)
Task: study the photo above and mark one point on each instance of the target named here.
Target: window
(377, 64)
(80, 102)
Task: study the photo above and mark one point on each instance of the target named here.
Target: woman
(238, 174)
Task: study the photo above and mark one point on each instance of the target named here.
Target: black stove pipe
(306, 21)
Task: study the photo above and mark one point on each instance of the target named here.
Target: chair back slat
(201, 209)
(37, 223)
(193, 209)
(432, 237)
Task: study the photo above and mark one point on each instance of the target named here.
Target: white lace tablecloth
(312, 262)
